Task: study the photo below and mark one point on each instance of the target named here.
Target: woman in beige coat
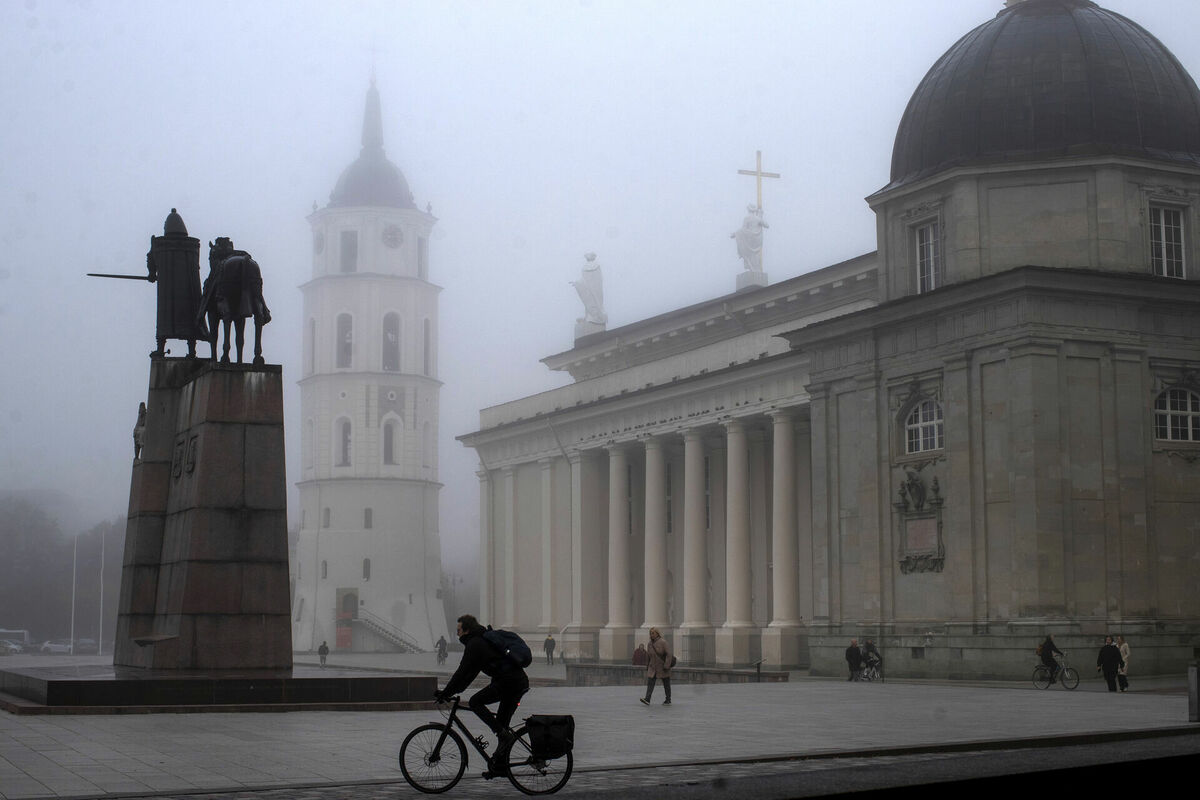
(658, 666)
(1123, 673)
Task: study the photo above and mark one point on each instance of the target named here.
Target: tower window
(345, 341)
(325, 517)
(349, 251)
(1166, 241)
(428, 330)
(344, 442)
(929, 257)
(366, 569)
(324, 570)
(391, 342)
(1177, 416)
(389, 442)
(368, 518)
(312, 346)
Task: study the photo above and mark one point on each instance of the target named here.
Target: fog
(538, 131)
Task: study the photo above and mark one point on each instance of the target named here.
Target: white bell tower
(368, 564)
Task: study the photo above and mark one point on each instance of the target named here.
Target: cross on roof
(758, 174)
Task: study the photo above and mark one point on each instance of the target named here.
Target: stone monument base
(751, 279)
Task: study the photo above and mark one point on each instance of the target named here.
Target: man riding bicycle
(1047, 651)
(509, 681)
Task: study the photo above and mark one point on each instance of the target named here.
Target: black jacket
(479, 656)
(1110, 659)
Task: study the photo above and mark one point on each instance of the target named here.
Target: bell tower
(368, 565)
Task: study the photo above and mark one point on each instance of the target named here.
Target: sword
(123, 277)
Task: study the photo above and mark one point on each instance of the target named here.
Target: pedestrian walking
(854, 660)
(1109, 661)
(1123, 674)
(658, 665)
(640, 657)
(548, 647)
(323, 652)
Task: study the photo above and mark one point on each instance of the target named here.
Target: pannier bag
(551, 736)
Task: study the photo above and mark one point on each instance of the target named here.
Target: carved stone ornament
(922, 210)
(919, 515)
(1166, 191)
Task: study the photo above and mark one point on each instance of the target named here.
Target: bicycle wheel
(868, 674)
(1041, 676)
(1069, 678)
(428, 768)
(534, 775)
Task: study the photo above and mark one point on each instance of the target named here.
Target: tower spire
(372, 133)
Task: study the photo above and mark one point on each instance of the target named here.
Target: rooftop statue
(590, 288)
(750, 239)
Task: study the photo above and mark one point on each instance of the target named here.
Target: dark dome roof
(372, 180)
(1045, 79)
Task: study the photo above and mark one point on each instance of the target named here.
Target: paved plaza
(745, 726)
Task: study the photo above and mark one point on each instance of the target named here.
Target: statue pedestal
(584, 328)
(205, 579)
(751, 279)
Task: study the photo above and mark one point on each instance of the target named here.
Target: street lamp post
(74, 561)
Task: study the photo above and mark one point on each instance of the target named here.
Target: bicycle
(871, 672)
(433, 758)
(1067, 676)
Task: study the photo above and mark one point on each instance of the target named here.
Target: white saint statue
(749, 239)
(590, 287)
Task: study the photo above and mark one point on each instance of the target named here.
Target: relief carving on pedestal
(919, 511)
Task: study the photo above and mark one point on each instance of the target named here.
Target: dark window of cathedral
(349, 251)
(1166, 241)
(325, 517)
(368, 518)
(345, 341)
(1177, 416)
(344, 443)
(324, 569)
(391, 342)
(929, 257)
(366, 569)
(923, 428)
(389, 442)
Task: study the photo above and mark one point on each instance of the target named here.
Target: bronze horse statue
(232, 292)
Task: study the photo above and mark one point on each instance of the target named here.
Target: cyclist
(509, 683)
(871, 655)
(1048, 649)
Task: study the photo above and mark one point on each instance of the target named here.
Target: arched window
(389, 442)
(391, 342)
(1177, 416)
(428, 330)
(923, 427)
(345, 341)
(344, 441)
(368, 518)
(366, 569)
(312, 346)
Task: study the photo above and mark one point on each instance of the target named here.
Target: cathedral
(984, 431)
(367, 569)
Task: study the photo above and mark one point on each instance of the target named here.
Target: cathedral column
(616, 638)
(487, 578)
(781, 639)
(656, 537)
(733, 638)
(508, 585)
(589, 520)
(547, 465)
(695, 633)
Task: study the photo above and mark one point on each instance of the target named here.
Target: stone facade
(985, 431)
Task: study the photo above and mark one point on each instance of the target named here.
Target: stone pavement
(165, 754)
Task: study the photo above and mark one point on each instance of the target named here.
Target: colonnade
(696, 638)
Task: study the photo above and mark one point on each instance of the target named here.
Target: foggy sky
(538, 130)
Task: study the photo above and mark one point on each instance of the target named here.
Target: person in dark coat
(854, 660)
(323, 652)
(1110, 662)
(1048, 651)
(548, 647)
(509, 681)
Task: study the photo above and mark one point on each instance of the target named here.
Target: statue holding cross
(749, 237)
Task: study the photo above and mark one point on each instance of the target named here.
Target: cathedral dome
(372, 180)
(1049, 79)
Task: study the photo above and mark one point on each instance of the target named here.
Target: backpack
(511, 647)
(1039, 650)
(550, 736)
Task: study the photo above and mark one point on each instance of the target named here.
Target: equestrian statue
(232, 292)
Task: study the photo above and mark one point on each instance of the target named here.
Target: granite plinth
(109, 689)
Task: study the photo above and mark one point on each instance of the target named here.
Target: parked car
(10, 648)
(86, 647)
(56, 646)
